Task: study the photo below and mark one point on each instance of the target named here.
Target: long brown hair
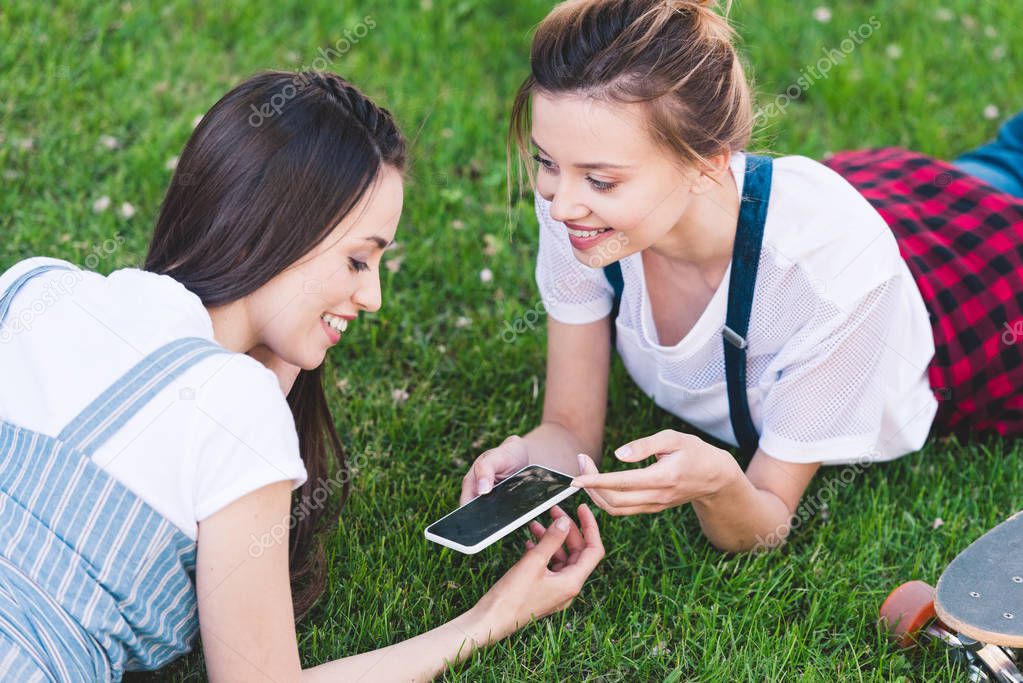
(676, 57)
(268, 173)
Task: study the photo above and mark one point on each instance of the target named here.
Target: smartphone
(513, 502)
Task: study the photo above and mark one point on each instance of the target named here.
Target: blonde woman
(808, 313)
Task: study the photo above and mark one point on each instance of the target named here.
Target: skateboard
(976, 608)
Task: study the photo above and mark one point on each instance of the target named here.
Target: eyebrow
(593, 165)
(380, 242)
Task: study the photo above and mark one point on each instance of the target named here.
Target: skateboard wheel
(907, 611)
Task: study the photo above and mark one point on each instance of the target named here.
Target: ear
(712, 174)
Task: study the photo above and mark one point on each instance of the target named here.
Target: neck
(704, 237)
(232, 328)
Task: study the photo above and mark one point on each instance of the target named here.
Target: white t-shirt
(839, 337)
(220, 430)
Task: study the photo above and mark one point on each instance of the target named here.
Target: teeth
(339, 324)
(586, 233)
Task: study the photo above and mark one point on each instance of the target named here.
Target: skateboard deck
(980, 594)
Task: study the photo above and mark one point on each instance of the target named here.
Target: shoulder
(11, 274)
(822, 224)
(239, 388)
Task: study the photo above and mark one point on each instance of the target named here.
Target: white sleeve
(572, 292)
(245, 436)
(828, 402)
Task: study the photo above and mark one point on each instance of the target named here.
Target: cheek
(651, 212)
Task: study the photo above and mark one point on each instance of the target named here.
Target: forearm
(417, 659)
(740, 517)
(556, 446)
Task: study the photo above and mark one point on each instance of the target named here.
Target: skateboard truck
(909, 613)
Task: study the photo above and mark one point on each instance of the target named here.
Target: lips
(583, 237)
(333, 335)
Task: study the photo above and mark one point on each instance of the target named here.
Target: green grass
(664, 605)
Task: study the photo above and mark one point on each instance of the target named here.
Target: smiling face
(601, 171)
(293, 313)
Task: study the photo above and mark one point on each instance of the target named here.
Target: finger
(574, 542)
(664, 441)
(468, 489)
(485, 470)
(538, 531)
(586, 464)
(635, 510)
(627, 499)
(550, 543)
(597, 497)
(592, 553)
(483, 474)
(587, 467)
(530, 545)
(627, 480)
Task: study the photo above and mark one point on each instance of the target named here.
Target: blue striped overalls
(93, 581)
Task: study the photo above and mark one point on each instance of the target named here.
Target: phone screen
(512, 498)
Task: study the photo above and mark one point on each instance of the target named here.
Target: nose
(565, 204)
(367, 296)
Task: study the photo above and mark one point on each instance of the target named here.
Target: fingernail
(562, 524)
(582, 462)
(483, 486)
(623, 452)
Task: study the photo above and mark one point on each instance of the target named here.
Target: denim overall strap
(749, 237)
(102, 418)
(745, 260)
(93, 580)
(20, 281)
(613, 273)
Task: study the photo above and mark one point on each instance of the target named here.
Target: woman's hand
(547, 578)
(687, 469)
(285, 371)
(492, 466)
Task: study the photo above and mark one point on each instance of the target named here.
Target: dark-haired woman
(154, 422)
(809, 313)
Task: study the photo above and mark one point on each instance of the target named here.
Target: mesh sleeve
(827, 404)
(571, 291)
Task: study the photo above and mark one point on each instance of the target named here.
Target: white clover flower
(109, 141)
(101, 204)
(822, 14)
(126, 210)
(486, 275)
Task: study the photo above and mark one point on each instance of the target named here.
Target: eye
(357, 266)
(545, 164)
(600, 185)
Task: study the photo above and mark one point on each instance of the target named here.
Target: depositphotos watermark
(819, 70)
(275, 105)
(1013, 333)
(564, 287)
(314, 501)
(55, 290)
(816, 503)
